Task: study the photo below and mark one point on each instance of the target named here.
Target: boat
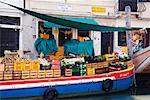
(141, 60)
(50, 88)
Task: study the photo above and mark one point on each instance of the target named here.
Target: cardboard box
(26, 66)
(35, 65)
(17, 66)
(90, 71)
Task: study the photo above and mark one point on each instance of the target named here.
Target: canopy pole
(128, 33)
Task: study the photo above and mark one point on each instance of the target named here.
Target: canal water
(141, 92)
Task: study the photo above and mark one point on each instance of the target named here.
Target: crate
(17, 75)
(26, 66)
(49, 73)
(102, 65)
(8, 75)
(2, 67)
(17, 66)
(94, 64)
(25, 75)
(68, 72)
(33, 74)
(110, 57)
(100, 70)
(1, 75)
(90, 71)
(57, 73)
(41, 74)
(35, 65)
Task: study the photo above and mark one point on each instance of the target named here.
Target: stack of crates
(35, 67)
(56, 68)
(8, 75)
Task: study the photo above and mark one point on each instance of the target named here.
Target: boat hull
(73, 86)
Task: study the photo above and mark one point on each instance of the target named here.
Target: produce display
(13, 67)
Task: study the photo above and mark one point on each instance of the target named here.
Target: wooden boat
(50, 88)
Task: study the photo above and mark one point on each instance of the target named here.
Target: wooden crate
(17, 66)
(25, 75)
(68, 72)
(57, 73)
(100, 70)
(17, 75)
(2, 66)
(33, 74)
(102, 65)
(1, 75)
(90, 71)
(8, 75)
(94, 64)
(41, 74)
(35, 65)
(49, 73)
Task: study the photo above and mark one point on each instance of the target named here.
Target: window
(122, 39)
(83, 35)
(9, 20)
(131, 3)
(9, 40)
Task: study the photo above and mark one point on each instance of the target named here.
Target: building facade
(104, 12)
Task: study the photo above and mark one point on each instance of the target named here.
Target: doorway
(107, 42)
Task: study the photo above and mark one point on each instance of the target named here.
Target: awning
(77, 19)
(70, 23)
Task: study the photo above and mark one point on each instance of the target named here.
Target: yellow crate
(2, 67)
(25, 75)
(1, 75)
(8, 75)
(33, 74)
(57, 73)
(26, 66)
(49, 73)
(90, 71)
(17, 66)
(35, 65)
(17, 75)
(88, 65)
(110, 57)
(41, 74)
